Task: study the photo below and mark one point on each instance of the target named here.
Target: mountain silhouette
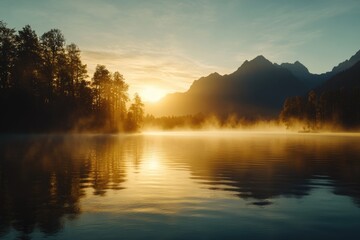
(314, 80)
(335, 103)
(340, 99)
(346, 80)
(302, 73)
(298, 69)
(347, 63)
(257, 89)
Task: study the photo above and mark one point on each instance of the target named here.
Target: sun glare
(152, 94)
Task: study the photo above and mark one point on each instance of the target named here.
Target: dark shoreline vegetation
(44, 87)
(202, 121)
(333, 105)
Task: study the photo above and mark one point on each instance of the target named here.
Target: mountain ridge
(347, 63)
(313, 80)
(335, 103)
(245, 92)
(345, 80)
(257, 89)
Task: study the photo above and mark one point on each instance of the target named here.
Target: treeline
(196, 121)
(202, 121)
(44, 86)
(336, 108)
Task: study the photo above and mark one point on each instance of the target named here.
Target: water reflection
(43, 179)
(266, 166)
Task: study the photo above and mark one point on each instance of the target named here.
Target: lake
(180, 185)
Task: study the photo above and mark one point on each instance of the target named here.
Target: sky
(162, 46)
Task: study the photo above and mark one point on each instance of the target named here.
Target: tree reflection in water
(288, 166)
(42, 178)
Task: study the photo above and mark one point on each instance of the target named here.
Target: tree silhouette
(100, 79)
(76, 70)
(119, 98)
(311, 112)
(338, 108)
(335, 104)
(136, 113)
(291, 111)
(53, 51)
(120, 95)
(28, 61)
(44, 86)
(7, 55)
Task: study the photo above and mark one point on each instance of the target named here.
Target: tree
(84, 98)
(136, 113)
(75, 69)
(28, 61)
(7, 55)
(292, 111)
(52, 43)
(120, 96)
(101, 81)
(44, 86)
(312, 111)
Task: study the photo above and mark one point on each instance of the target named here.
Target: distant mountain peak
(297, 63)
(214, 74)
(260, 59)
(256, 63)
(296, 68)
(347, 63)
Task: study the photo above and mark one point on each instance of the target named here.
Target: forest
(44, 87)
(335, 105)
(332, 110)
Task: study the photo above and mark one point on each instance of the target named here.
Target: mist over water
(181, 185)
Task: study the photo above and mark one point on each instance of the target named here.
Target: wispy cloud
(280, 33)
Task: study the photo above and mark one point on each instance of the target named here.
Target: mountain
(257, 89)
(335, 103)
(298, 69)
(302, 73)
(347, 80)
(314, 80)
(347, 63)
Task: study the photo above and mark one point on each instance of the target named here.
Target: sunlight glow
(153, 164)
(152, 94)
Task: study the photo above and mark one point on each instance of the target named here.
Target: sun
(152, 94)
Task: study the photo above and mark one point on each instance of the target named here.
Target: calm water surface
(201, 185)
